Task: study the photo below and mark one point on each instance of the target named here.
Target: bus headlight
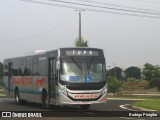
(63, 91)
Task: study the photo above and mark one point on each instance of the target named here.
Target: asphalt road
(111, 107)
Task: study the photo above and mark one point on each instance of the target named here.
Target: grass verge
(149, 104)
(1, 87)
(1, 92)
(135, 97)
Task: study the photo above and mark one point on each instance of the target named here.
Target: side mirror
(58, 65)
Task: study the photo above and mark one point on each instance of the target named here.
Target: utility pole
(115, 71)
(109, 69)
(80, 23)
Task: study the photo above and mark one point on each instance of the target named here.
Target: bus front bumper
(64, 100)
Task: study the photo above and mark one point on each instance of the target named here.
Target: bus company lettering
(82, 52)
(27, 81)
(85, 96)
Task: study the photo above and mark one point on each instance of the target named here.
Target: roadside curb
(2, 95)
(135, 108)
(143, 94)
(124, 99)
(135, 99)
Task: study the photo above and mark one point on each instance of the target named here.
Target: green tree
(115, 72)
(155, 83)
(150, 72)
(133, 72)
(80, 42)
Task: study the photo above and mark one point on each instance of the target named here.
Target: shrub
(113, 86)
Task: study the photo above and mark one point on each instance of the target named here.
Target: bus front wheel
(45, 104)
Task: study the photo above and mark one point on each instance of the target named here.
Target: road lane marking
(6, 99)
(135, 108)
(127, 118)
(123, 107)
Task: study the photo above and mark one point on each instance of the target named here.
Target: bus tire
(85, 107)
(45, 104)
(17, 99)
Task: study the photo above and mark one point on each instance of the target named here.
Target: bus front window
(86, 70)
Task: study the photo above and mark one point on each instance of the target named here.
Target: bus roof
(42, 52)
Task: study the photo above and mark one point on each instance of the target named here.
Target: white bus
(66, 76)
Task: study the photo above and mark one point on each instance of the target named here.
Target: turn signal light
(104, 99)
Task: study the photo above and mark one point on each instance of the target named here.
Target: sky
(126, 40)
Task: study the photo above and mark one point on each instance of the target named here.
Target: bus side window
(42, 69)
(35, 67)
(20, 71)
(22, 66)
(29, 67)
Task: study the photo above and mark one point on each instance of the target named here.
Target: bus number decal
(40, 82)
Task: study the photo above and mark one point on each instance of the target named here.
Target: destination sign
(81, 53)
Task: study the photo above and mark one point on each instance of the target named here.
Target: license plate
(85, 102)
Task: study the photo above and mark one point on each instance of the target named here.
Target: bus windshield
(83, 70)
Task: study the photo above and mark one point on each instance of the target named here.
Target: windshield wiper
(89, 65)
(80, 67)
(76, 63)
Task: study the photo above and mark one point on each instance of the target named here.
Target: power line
(111, 8)
(146, 1)
(95, 10)
(115, 5)
(44, 32)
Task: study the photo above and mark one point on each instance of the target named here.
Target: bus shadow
(38, 106)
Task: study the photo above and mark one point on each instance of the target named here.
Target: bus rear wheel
(17, 99)
(85, 107)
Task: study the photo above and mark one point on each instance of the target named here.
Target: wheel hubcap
(17, 99)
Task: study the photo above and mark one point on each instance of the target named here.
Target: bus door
(9, 78)
(52, 80)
